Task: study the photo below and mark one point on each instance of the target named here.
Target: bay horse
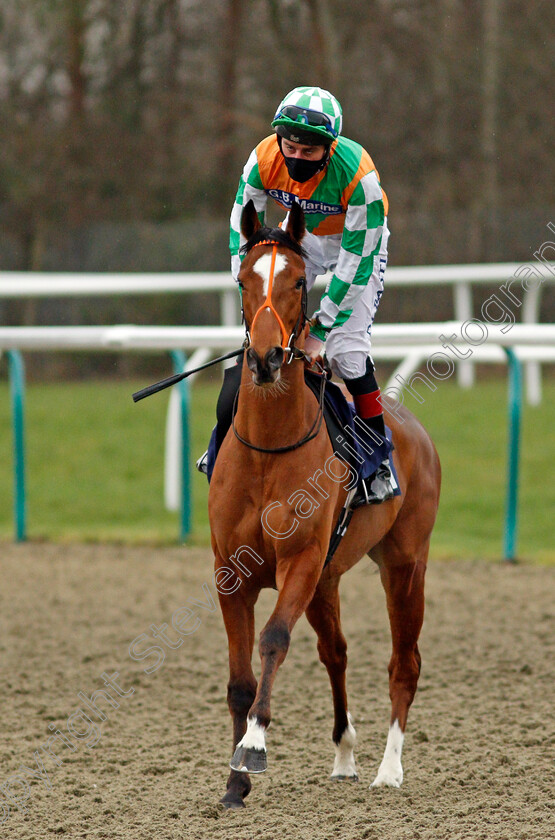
(269, 530)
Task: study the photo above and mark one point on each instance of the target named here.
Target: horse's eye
(241, 286)
(300, 282)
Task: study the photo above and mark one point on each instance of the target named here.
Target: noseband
(287, 344)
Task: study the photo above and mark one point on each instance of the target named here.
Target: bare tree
(489, 123)
(226, 127)
(146, 109)
(325, 49)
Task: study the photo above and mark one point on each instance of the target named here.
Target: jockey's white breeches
(348, 346)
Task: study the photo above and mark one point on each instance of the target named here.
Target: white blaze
(263, 265)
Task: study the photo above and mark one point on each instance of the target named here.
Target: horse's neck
(275, 417)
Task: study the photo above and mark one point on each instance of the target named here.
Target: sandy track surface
(478, 755)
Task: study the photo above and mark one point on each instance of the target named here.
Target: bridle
(287, 345)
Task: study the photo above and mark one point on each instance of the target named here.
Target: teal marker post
(16, 370)
(179, 361)
(513, 455)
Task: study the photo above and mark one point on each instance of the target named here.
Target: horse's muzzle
(265, 370)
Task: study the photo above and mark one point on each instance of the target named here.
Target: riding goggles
(306, 117)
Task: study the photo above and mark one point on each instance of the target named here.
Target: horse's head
(273, 285)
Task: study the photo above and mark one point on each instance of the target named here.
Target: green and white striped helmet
(306, 112)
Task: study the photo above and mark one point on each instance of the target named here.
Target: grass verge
(95, 466)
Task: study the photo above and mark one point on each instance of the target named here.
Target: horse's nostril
(274, 358)
(252, 359)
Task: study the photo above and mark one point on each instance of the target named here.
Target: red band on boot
(368, 405)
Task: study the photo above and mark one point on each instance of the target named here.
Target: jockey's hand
(314, 349)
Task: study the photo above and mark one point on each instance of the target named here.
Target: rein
(310, 435)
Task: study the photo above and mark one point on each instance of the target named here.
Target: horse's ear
(296, 227)
(250, 222)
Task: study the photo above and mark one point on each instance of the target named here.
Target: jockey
(337, 185)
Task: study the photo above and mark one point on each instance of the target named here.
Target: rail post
(179, 361)
(515, 410)
(16, 369)
(463, 312)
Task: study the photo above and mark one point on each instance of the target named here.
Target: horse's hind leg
(403, 581)
(323, 614)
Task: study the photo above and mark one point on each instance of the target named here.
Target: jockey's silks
(344, 205)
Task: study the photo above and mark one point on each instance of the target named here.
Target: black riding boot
(224, 409)
(366, 395)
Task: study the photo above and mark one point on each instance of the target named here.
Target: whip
(177, 377)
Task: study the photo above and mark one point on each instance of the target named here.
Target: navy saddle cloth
(349, 438)
(364, 451)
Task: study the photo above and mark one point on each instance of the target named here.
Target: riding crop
(177, 377)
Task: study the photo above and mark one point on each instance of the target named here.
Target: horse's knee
(274, 641)
(240, 697)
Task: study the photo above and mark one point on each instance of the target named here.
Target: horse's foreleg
(404, 588)
(238, 617)
(323, 614)
(295, 593)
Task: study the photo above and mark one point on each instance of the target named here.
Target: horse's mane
(277, 235)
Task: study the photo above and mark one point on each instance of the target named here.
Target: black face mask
(302, 170)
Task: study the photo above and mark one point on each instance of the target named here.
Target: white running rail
(512, 277)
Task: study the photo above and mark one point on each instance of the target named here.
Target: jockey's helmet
(309, 115)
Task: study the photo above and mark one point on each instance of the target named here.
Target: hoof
(248, 760)
(227, 804)
(342, 778)
(388, 779)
